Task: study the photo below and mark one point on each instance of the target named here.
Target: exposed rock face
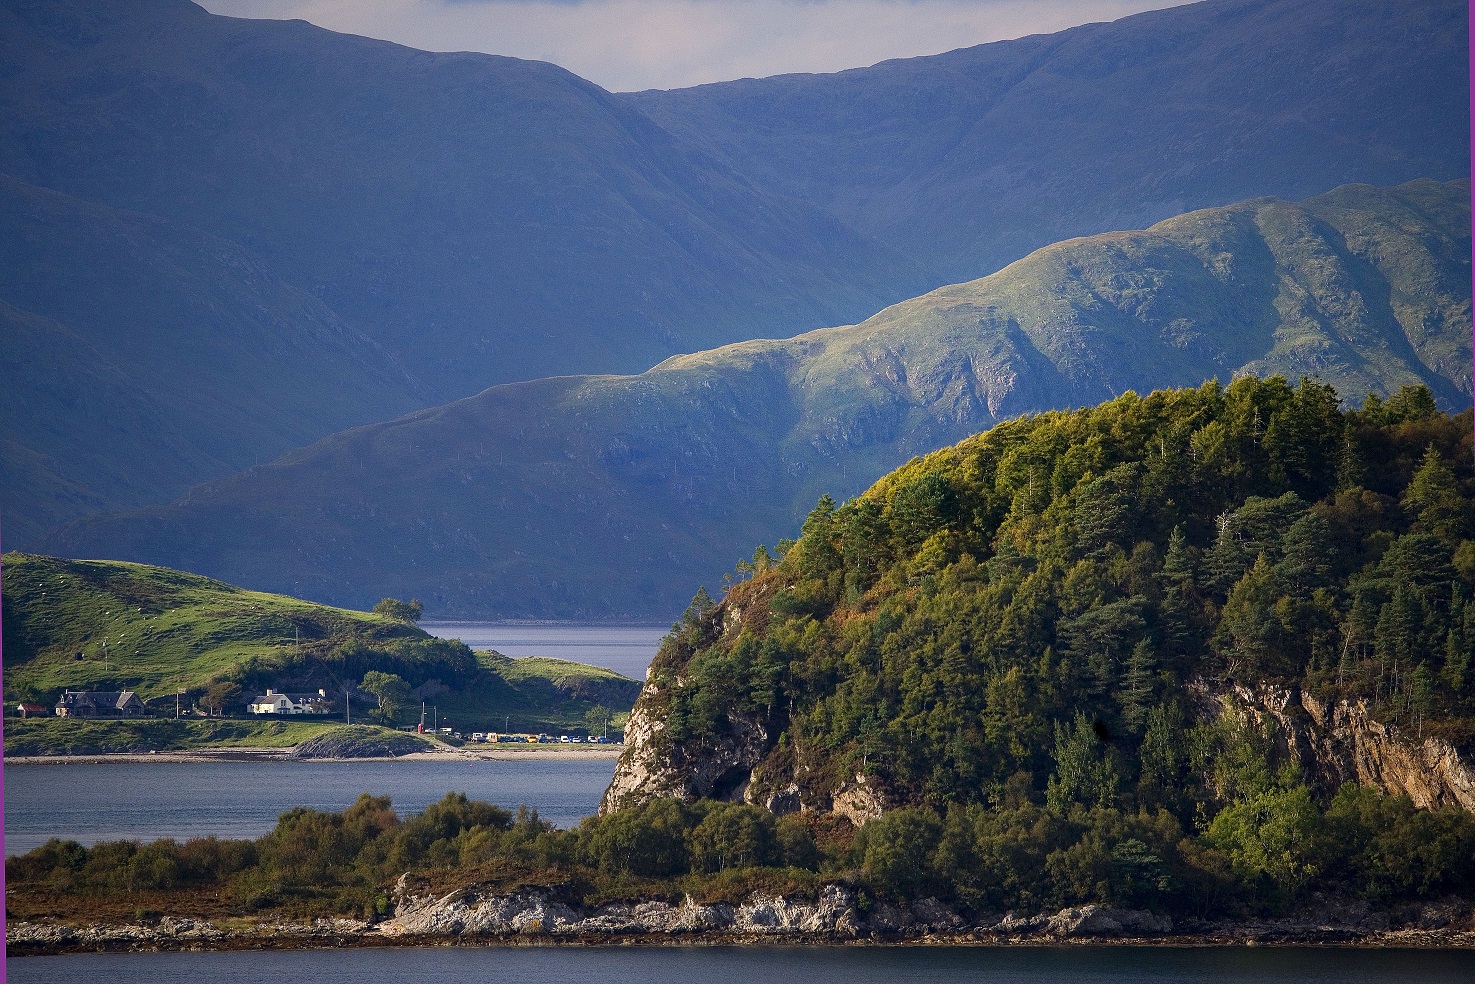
(833, 915)
(1333, 743)
(534, 916)
(1340, 742)
(859, 801)
(718, 767)
(170, 933)
(466, 912)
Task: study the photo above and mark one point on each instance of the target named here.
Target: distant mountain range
(223, 239)
(971, 159)
(144, 355)
(605, 496)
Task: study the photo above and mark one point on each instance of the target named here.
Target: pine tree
(1136, 694)
(1434, 499)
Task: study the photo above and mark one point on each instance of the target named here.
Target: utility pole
(347, 712)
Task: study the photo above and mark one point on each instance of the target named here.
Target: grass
(63, 736)
(108, 625)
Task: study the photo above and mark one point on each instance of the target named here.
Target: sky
(626, 45)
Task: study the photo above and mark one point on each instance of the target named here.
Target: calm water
(626, 649)
(716, 965)
(89, 803)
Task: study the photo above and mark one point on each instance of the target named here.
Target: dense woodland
(1001, 633)
(1022, 622)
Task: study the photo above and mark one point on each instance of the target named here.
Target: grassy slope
(166, 630)
(608, 495)
(163, 629)
(63, 736)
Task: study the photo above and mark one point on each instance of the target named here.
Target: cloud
(642, 44)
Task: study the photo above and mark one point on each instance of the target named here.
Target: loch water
(147, 800)
(144, 801)
(746, 965)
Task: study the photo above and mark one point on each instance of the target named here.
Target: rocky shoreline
(838, 917)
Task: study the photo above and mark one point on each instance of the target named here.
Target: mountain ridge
(1101, 126)
(610, 496)
(484, 219)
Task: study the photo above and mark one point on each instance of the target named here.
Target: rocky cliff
(1333, 742)
(1339, 741)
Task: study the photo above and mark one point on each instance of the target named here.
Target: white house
(273, 702)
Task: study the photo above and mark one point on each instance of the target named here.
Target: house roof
(102, 698)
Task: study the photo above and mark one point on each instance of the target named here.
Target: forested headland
(1002, 680)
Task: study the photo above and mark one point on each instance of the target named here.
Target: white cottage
(275, 702)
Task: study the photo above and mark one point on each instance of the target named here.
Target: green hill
(102, 625)
(1195, 649)
(612, 495)
(1052, 609)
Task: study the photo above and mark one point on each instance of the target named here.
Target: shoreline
(492, 753)
(185, 935)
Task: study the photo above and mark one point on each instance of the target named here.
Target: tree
(392, 692)
(1084, 771)
(1307, 553)
(1250, 634)
(1434, 499)
(1138, 683)
(218, 696)
(1273, 835)
(597, 718)
(897, 849)
(733, 835)
(650, 840)
(403, 611)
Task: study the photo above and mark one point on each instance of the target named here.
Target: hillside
(287, 192)
(971, 159)
(233, 187)
(143, 357)
(1054, 609)
(102, 625)
(613, 495)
